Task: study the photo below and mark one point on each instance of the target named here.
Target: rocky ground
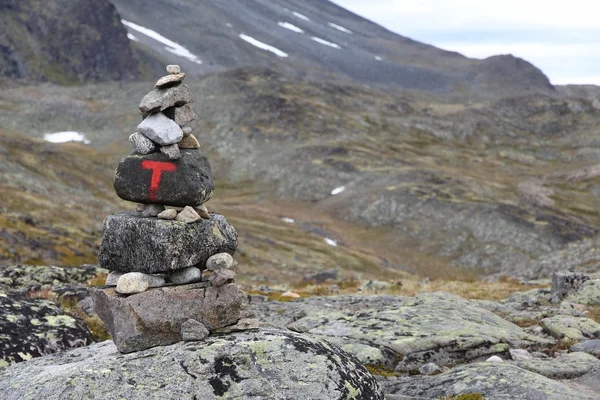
(540, 342)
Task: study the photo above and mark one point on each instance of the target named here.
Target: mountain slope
(311, 36)
(64, 41)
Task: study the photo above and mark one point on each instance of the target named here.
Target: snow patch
(338, 190)
(64, 137)
(262, 45)
(378, 58)
(304, 17)
(171, 46)
(291, 27)
(325, 42)
(331, 242)
(131, 37)
(288, 220)
(340, 28)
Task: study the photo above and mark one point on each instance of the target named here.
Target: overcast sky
(562, 38)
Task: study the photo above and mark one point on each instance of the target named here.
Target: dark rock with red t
(154, 178)
(132, 243)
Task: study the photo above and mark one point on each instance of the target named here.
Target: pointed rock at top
(169, 80)
(160, 129)
(160, 99)
(173, 69)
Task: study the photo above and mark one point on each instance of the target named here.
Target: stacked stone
(172, 271)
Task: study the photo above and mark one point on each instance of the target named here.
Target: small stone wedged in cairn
(184, 115)
(152, 210)
(192, 330)
(141, 144)
(160, 129)
(171, 151)
(186, 182)
(221, 277)
(150, 245)
(189, 142)
(219, 261)
(173, 69)
(161, 99)
(169, 80)
(185, 275)
(169, 214)
(188, 215)
(112, 278)
(202, 211)
(187, 130)
(136, 282)
(139, 321)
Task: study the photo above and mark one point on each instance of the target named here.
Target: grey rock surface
(160, 129)
(495, 381)
(151, 245)
(24, 277)
(184, 115)
(566, 326)
(430, 369)
(171, 151)
(244, 324)
(154, 318)
(31, 327)
(588, 346)
(193, 330)
(185, 275)
(141, 144)
(154, 178)
(320, 277)
(136, 282)
(268, 364)
(566, 366)
(161, 99)
(588, 293)
(402, 332)
(564, 283)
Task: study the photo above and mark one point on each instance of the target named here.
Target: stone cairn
(172, 272)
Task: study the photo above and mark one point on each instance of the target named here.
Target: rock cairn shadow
(172, 271)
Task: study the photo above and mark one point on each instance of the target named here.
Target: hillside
(64, 41)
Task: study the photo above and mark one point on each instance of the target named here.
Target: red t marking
(157, 168)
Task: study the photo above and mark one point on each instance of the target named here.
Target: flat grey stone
(137, 282)
(430, 369)
(161, 99)
(566, 326)
(219, 261)
(188, 215)
(589, 346)
(494, 381)
(113, 278)
(266, 364)
(169, 214)
(202, 211)
(185, 275)
(160, 129)
(141, 144)
(519, 354)
(151, 245)
(567, 366)
(152, 210)
(169, 80)
(184, 115)
(244, 324)
(192, 330)
(171, 151)
(173, 69)
(154, 317)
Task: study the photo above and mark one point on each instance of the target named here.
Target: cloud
(561, 38)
